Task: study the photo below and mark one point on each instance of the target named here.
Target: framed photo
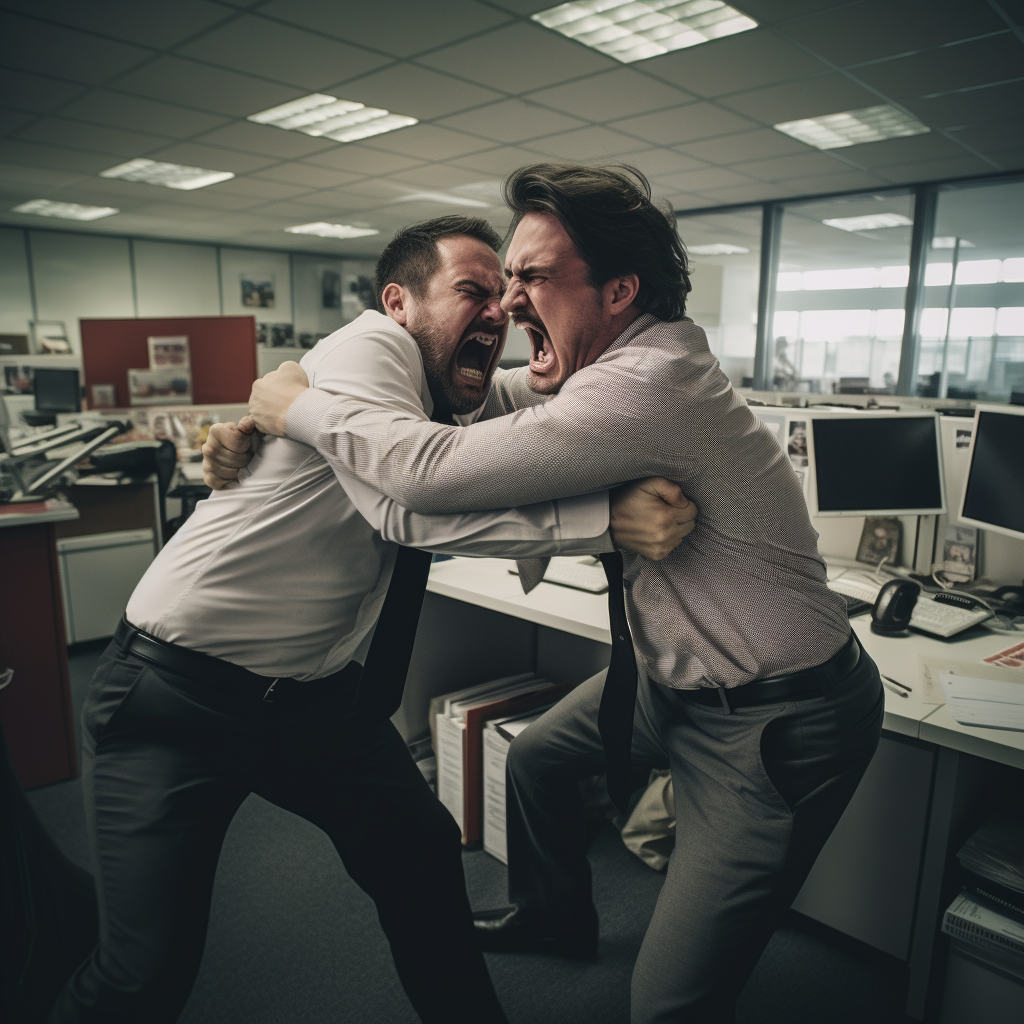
(880, 540)
(14, 345)
(258, 291)
(796, 443)
(172, 351)
(960, 553)
(50, 338)
(19, 380)
(103, 396)
(166, 386)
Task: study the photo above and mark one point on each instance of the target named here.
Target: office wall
(176, 280)
(15, 291)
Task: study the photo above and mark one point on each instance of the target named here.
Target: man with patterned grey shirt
(741, 675)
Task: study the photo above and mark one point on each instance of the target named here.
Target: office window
(840, 294)
(725, 255)
(977, 351)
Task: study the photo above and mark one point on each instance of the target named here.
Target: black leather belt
(802, 685)
(211, 676)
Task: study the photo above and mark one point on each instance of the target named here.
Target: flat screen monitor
(993, 495)
(57, 390)
(877, 465)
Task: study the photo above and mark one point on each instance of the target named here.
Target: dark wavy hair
(616, 228)
(411, 258)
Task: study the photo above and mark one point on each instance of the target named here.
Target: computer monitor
(870, 464)
(57, 390)
(993, 495)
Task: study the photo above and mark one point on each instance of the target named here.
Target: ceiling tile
(654, 162)
(902, 151)
(500, 161)
(766, 12)
(437, 176)
(393, 26)
(360, 160)
(512, 121)
(829, 183)
(173, 211)
(265, 140)
(801, 165)
(525, 6)
(417, 92)
(519, 57)
(760, 144)
(734, 64)
(31, 154)
(751, 193)
(63, 52)
(698, 181)
(211, 197)
(12, 120)
(979, 62)
(867, 31)
(136, 113)
(33, 92)
(299, 213)
(258, 188)
(197, 85)
(94, 137)
(269, 49)
(611, 94)
(427, 142)
(998, 135)
(1009, 159)
(935, 170)
(213, 158)
(980, 106)
(344, 199)
(36, 177)
(683, 124)
(594, 143)
(828, 94)
(304, 174)
(157, 25)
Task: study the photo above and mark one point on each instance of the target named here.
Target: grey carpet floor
(293, 939)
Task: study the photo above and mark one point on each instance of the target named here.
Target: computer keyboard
(929, 615)
(568, 572)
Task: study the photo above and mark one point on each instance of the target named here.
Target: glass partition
(725, 255)
(840, 294)
(976, 269)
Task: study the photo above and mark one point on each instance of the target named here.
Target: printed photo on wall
(880, 540)
(168, 352)
(330, 289)
(258, 291)
(50, 338)
(282, 336)
(167, 386)
(960, 553)
(103, 396)
(796, 443)
(19, 380)
(963, 437)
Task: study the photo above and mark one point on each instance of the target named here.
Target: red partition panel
(222, 350)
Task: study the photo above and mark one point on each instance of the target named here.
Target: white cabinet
(98, 574)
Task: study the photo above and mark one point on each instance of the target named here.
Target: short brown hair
(411, 258)
(616, 228)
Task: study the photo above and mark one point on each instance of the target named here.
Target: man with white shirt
(239, 666)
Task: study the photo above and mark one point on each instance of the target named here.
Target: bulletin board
(222, 352)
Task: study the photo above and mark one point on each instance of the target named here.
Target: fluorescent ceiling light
(68, 211)
(630, 31)
(441, 197)
(869, 222)
(152, 172)
(325, 230)
(852, 127)
(716, 249)
(949, 242)
(330, 118)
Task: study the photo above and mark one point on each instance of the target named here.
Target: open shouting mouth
(542, 352)
(476, 355)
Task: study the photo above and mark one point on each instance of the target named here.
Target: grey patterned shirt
(744, 597)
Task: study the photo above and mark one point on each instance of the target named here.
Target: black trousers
(165, 772)
(757, 793)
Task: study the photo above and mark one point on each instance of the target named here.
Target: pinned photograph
(103, 396)
(167, 386)
(960, 553)
(50, 338)
(19, 380)
(282, 336)
(258, 291)
(963, 437)
(880, 540)
(330, 289)
(796, 443)
(168, 352)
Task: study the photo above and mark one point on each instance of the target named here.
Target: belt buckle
(268, 697)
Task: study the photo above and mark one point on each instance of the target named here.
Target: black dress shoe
(509, 930)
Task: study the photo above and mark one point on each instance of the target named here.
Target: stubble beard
(436, 366)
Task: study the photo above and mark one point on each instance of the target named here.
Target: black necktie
(387, 660)
(615, 717)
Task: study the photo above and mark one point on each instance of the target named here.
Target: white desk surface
(488, 583)
(52, 515)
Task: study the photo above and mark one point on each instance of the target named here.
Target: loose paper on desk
(930, 667)
(984, 696)
(1012, 657)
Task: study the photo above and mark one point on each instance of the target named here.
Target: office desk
(886, 873)
(35, 709)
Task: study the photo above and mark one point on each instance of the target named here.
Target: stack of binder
(986, 920)
(459, 719)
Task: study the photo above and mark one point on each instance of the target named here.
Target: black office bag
(48, 919)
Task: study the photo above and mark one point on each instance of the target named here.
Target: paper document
(1012, 657)
(984, 703)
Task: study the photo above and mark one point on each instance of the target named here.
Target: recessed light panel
(325, 230)
(716, 249)
(328, 117)
(852, 127)
(442, 197)
(949, 242)
(152, 172)
(869, 222)
(631, 31)
(67, 211)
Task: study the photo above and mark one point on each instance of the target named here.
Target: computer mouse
(893, 607)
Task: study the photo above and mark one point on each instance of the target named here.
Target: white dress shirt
(285, 573)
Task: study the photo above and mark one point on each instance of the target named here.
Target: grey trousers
(757, 793)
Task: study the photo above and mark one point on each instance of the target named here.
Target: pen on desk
(894, 689)
(895, 682)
